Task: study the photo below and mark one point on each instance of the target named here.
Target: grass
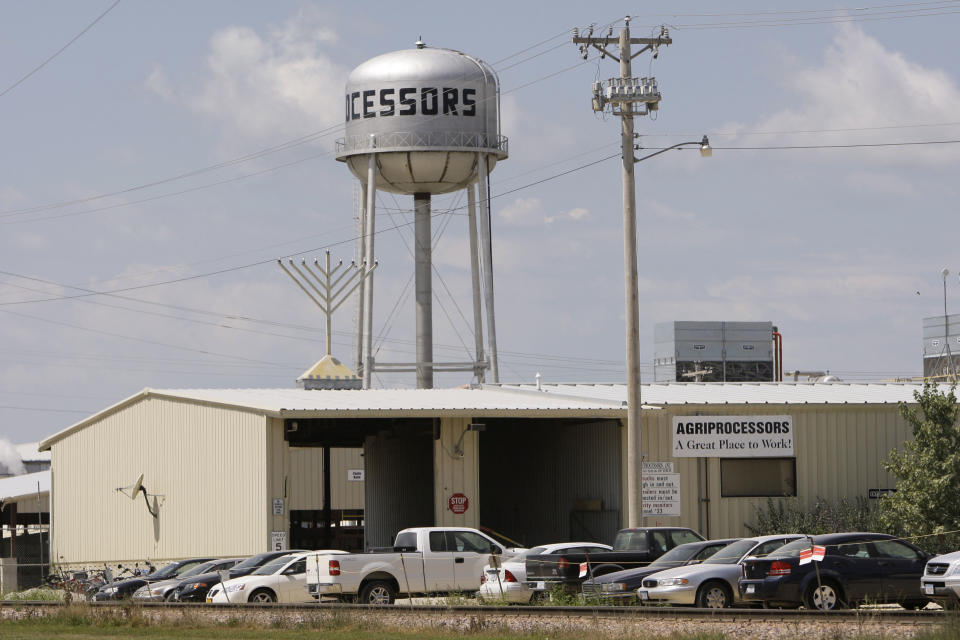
(37, 593)
(79, 622)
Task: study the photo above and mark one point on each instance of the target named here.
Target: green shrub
(790, 515)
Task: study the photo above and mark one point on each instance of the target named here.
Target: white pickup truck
(423, 560)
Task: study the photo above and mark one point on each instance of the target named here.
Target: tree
(927, 500)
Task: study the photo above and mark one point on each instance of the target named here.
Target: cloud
(529, 212)
(861, 84)
(265, 85)
(666, 212)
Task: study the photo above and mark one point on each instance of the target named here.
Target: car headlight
(157, 592)
(608, 587)
(953, 569)
(672, 582)
(108, 590)
(194, 585)
(236, 587)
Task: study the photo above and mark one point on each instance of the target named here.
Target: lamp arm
(656, 153)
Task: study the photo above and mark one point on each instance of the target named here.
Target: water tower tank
(425, 121)
(425, 113)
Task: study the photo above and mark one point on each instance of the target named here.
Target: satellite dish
(137, 486)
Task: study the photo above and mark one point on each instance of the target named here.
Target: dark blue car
(857, 568)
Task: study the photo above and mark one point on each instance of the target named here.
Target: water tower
(420, 122)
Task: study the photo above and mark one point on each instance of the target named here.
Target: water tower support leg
(475, 276)
(371, 210)
(361, 290)
(487, 249)
(424, 289)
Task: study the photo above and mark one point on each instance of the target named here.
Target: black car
(195, 588)
(125, 588)
(621, 586)
(857, 568)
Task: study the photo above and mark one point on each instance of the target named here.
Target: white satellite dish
(137, 486)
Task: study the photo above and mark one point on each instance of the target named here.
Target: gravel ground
(540, 621)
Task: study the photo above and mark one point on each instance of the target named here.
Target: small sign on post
(278, 506)
(458, 503)
(355, 475)
(278, 540)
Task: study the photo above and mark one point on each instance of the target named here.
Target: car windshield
(731, 553)
(677, 555)
(168, 571)
(272, 567)
(792, 549)
(252, 561)
(203, 567)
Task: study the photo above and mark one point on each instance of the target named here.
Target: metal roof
(25, 486)
(680, 393)
(301, 403)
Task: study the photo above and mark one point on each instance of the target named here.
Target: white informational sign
(661, 493)
(354, 475)
(657, 467)
(278, 506)
(732, 436)
(278, 540)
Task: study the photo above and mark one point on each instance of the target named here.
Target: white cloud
(265, 85)
(578, 214)
(523, 212)
(666, 212)
(861, 84)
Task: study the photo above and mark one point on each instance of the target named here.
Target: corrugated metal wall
(456, 473)
(399, 485)
(839, 454)
(306, 478)
(551, 480)
(207, 462)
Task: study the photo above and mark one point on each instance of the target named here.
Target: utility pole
(946, 328)
(622, 94)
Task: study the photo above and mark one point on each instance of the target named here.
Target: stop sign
(458, 503)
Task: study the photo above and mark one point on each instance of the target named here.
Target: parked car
(941, 580)
(422, 560)
(196, 587)
(125, 588)
(621, 586)
(632, 548)
(508, 583)
(856, 568)
(283, 579)
(164, 590)
(712, 583)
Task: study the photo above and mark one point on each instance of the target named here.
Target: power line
(58, 51)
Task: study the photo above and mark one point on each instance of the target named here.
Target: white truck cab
(423, 560)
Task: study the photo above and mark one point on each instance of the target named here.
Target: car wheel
(377, 592)
(714, 595)
(262, 596)
(826, 597)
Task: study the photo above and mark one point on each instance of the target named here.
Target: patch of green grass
(37, 593)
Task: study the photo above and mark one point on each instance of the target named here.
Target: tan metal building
(227, 470)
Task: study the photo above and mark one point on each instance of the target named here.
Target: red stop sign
(458, 503)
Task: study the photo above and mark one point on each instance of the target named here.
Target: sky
(159, 157)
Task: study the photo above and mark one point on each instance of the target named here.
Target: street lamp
(634, 404)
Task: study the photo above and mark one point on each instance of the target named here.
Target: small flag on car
(583, 569)
(815, 552)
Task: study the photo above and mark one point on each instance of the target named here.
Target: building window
(758, 477)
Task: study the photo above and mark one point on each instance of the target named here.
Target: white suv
(941, 579)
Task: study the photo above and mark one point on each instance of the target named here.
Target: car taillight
(333, 567)
(508, 577)
(563, 564)
(779, 569)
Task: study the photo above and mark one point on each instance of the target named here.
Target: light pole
(946, 326)
(627, 96)
(634, 403)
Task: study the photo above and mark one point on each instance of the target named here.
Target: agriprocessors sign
(732, 436)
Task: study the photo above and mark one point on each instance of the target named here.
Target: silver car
(165, 589)
(712, 583)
